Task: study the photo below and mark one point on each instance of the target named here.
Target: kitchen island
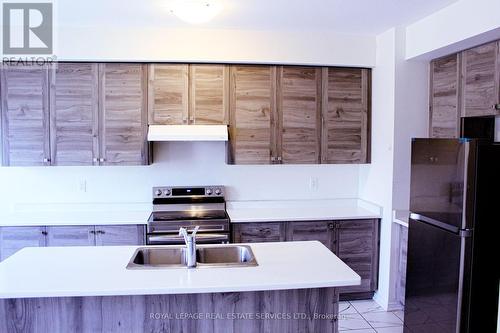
(89, 289)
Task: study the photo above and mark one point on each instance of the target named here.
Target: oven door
(174, 239)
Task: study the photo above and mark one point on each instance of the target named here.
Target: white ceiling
(343, 16)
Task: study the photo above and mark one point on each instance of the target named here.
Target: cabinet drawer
(258, 232)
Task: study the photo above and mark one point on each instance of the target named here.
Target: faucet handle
(183, 233)
(195, 230)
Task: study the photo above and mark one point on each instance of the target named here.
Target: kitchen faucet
(190, 241)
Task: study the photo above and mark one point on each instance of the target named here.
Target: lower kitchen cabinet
(13, 239)
(70, 236)
(258, 232)
(119, 235)
(356, 242)
(305, 231)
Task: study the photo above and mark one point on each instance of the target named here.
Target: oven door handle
(175, 239)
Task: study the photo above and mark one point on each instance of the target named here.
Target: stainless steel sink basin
(206, 257)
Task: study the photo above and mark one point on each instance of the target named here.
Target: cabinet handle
(331, 226)
(102, 160)
(273, 158)
(279, 159)
(497, 106)
(45, 233)
(92, 232)
(101, 232)
(95, 160)
(46, 160)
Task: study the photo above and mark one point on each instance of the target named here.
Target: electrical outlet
(82, 186)
(313, 183)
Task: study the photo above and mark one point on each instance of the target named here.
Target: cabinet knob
(273, 158)
(497, 106)
(331, 226)
(46, 160)
(45, 233)
(92, 232)
(95, 160)
(102, 160)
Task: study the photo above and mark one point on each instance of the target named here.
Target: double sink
(206, 257)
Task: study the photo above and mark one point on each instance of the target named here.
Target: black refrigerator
(453, 275)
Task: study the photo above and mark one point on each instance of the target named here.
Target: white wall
(214, 45)
(459, 26)
(175, 164)
(376, 179)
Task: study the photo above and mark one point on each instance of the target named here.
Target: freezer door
(442, 180)
(434, 279)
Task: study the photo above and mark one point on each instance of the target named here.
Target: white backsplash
(180, 163)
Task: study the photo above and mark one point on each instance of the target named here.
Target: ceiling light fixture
(195, 11)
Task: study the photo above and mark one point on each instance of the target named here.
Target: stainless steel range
(188, 207)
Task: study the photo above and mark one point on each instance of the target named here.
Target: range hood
(187, 133)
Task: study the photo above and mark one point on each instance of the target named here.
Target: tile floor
(368, 317)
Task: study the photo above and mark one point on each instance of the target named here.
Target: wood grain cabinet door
(123, 115)
(299, 112)
(253, 113)
(120, 235)
(480, 80)
(312, 230)
(444, 97)
(168, 91)
(74, 114)
(357, 246)
(25, 115)
(208, 94)
(258, 232)
(13, 239)
(70, 236)
(345, 115)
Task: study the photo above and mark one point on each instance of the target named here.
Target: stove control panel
(195, 191)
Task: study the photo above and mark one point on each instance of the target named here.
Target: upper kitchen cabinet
(480, 81)
(25, 115)
(74, 114)
(253, 115)
(208, 94)
(123, 116)
(299, 112)
(345, 130)
(168, 92)
(444, 97)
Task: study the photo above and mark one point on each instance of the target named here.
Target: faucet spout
(190, 241)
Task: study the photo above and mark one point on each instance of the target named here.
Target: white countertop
(301, 210)
(101, 271)
(54, 214)
(239, 212)
(52, 218)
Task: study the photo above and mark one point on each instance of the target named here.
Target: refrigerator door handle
(465, 233)
(436, 223)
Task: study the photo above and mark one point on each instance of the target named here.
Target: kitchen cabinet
(258, 232)
(120, 235)
(25, 115)
(208, 94)
(123, 117)
(345, 115)
(97, 115)
(74, 114)
(299, 114)
(444, 97)
(481, 81)
(322, 231)
(252, 130)
(70, 236)
(168, 92)
(357, 245)
(13, 239)
(356, 242)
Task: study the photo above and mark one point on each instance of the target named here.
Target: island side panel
(286, 310)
